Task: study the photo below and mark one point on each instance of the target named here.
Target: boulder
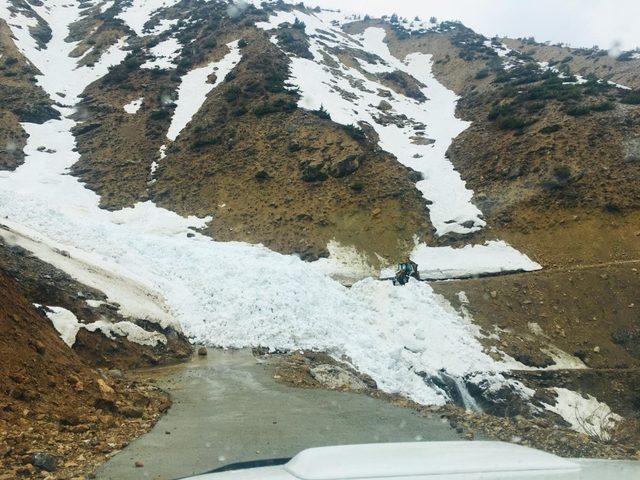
(337, 378)
(44, 461)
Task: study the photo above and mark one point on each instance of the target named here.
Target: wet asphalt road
(228, 408)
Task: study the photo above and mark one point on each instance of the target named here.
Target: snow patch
(130, 330)
(585, 413)
(452, 209)
(106, 6)
(66, 323)
(133, 106)
(164, 54)
(194, 88)
(439, 263)
(139, 12)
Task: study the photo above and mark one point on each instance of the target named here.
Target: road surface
(228, 408)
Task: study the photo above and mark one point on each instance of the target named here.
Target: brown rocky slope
(56, 414)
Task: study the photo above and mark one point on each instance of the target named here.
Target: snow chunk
(164, 54)
(133, 106)
(68, 326)
(133, 332)
(586, 415)
(194, 88)
(66, 323)
(94, 303)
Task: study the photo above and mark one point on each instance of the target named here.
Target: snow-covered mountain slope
(286, 76)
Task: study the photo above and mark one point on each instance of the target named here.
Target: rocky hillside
(268, 171)
(22, 100)
(56, 414)
(549, 141)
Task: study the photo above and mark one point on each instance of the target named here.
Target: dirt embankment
(591, 313)
(59, 418)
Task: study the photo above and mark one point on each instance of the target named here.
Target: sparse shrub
(612, 207)
(357, 187)
(210, 43)
(602, 106)
(204, 142)
(631, 98)
(278, 105)
(480, 74)
(238, 112)
(534, 107)
(232, 93)
(562, 173)
(293, 40)
(625, 56)
(578, 110)
(355, 132)
(511, 122)
(159, 114)
(500, 110)
(322, 113)
(550, 128)
(131, 62)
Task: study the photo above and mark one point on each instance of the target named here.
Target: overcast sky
(580, 23)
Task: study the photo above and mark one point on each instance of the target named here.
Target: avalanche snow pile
(398, 336)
